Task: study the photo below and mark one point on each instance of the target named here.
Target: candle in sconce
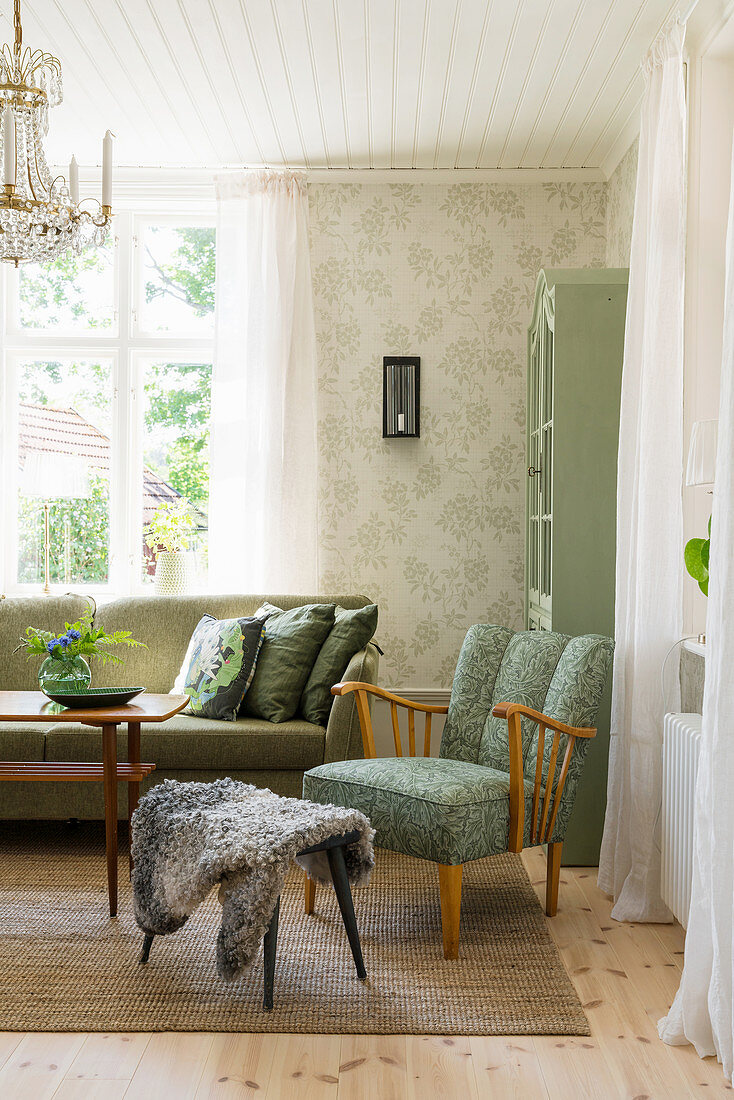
(74, 180)
(8, 146)
(107, 169)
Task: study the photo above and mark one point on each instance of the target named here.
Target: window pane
(177, 269)
(64, 432)
(72, 294)
(176, 416)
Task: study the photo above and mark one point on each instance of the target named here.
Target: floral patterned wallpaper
(620, 205)
(432, 528)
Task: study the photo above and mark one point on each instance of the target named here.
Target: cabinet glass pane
(546, 506)
(533, 409)
(548, 375)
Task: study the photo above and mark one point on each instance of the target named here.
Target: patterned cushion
(351, 632)
(524, 676)
(290, 647)
(447, 811)
(220, 664)
(473, 690)
(497, 665)
(165, 624)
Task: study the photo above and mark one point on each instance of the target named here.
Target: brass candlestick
(47, 548)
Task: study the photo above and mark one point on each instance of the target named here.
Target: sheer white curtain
(702, 1010)
(263, 531)
(648, 613)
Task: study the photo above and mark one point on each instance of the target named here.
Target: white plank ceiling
(345, 83)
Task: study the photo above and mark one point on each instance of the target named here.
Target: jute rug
(65, 966)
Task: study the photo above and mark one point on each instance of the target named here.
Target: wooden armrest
(372, 689)
(543, 818)
(506, 710)
(362, 690)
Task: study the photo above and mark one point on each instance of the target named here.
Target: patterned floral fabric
(573, 697)
(525, 674)
(446, 271)
(220, 664)
(473, 691)
(497, 665)
(456, 808)
(447, 811)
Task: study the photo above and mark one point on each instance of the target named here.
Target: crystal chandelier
(41, 217)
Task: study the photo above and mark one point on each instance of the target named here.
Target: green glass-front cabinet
(575, 350)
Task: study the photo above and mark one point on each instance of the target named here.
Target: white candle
(74, 180)
(8, 146)
(107, 169)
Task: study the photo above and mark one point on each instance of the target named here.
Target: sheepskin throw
(189, 837)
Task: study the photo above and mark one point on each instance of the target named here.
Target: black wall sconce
(401, 390)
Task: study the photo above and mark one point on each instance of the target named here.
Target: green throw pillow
(290, 647)
(351, 632)
(220, 664)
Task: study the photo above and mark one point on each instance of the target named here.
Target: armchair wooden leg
(449, 883)
(309, 896)
(552, 878)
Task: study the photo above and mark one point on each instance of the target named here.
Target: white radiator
(681, 743)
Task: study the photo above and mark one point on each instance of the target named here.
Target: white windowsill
(695, 647)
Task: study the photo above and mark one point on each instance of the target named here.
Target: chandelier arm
(18, 44)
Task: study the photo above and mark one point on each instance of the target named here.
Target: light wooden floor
(625, 975)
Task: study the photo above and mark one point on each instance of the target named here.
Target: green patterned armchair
(522, 711)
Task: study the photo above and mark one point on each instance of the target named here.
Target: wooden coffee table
(33, 706)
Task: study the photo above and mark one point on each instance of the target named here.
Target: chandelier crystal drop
(41, 217)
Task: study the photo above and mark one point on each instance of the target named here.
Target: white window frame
(153, 198)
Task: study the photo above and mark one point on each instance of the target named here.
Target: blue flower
(50, 646)
(63, 642)
(75, 635)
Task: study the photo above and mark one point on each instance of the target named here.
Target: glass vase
(64, 674)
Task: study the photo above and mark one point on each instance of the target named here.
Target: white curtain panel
(263, 534)
(702, 1010)
(648, 611)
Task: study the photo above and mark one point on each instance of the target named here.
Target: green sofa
(186, 748)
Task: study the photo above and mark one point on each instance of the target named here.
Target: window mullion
(124, 447)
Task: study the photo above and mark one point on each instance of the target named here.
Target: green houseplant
(66, 655)
(168, 535)
(696, 557)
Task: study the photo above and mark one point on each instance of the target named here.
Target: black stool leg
(338, 868)
(270, 946)
(147, 944)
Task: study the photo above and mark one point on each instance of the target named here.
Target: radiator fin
(681, 746)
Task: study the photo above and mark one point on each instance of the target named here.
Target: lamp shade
(52, 476)
(701, 467)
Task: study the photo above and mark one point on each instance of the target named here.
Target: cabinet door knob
(532, 471)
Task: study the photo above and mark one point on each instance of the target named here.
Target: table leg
(109, 767)
(133, 789)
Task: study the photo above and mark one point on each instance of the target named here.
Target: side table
(33, 706)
